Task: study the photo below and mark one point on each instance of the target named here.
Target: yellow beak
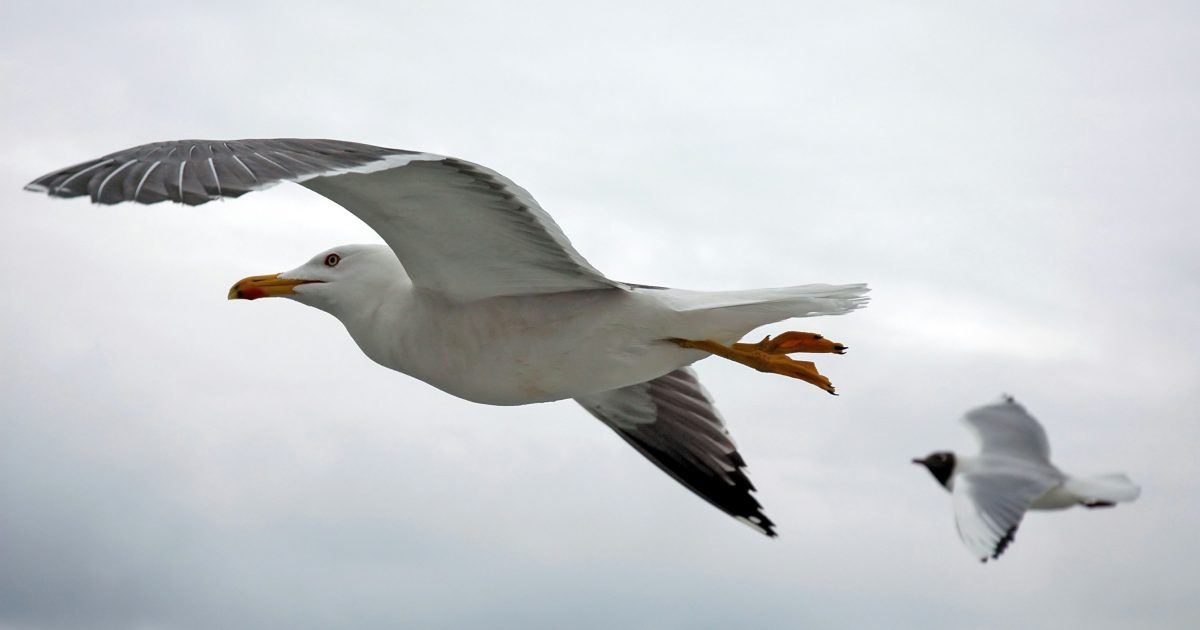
(256, 287)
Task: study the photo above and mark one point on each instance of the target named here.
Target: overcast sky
(1017, 182)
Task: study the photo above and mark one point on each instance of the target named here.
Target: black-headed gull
(1012, 474)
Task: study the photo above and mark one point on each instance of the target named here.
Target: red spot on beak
(251, 293)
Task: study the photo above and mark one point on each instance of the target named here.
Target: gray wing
(988, 508)
(672, 421)
(458, 228)
(1006, 429)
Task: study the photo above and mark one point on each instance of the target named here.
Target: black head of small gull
(940, 465)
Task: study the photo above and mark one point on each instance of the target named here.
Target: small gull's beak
(918, 461)
(272, 285)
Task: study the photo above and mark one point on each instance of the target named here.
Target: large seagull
(480, 294)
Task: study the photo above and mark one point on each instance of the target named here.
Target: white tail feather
(1113, 488)
(727, 315)
(800, 301)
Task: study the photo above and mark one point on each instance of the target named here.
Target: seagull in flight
(477, 292)
(1012, 474)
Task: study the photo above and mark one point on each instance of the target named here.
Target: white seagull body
(517, 350)
(480, 294)
(1012, 474)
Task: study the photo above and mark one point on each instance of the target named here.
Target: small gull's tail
(1101, 489)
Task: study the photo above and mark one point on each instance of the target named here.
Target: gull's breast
(521, 350)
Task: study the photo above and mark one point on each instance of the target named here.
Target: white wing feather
(988, 508)
(1006, 429)
(996, 488)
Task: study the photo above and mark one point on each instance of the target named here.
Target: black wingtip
(1004, 542)
(688, 440)
(759, 523)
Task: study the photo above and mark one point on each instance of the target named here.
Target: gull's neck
(379, 317)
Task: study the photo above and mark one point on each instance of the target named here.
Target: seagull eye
(332, 260)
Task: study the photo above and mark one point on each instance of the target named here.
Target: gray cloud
(1015, 182)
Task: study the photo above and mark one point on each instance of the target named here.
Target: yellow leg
(770, 355)
(793, 341)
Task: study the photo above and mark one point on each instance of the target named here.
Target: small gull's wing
(1006, 429)
(672, 421)
(458, 228)
(988, 508)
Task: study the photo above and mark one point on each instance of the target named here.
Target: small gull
(1012, 474)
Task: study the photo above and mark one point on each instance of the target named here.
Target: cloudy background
(1017, 183)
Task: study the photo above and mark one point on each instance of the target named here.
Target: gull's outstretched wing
(1006, 429)
(458, 228)
(989, 506)
(672, 421)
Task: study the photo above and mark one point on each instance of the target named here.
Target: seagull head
(940, 464)
(331, 280)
